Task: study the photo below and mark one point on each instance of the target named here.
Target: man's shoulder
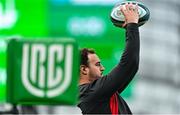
(83, 86)
(87, 87)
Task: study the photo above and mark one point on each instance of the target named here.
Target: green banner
(83, 23)
(23, 18)
(42, 72)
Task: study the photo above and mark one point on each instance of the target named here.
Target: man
(100, 95)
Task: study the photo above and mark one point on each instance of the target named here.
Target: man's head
(90, 66)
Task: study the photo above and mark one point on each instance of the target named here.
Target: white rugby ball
(118, 19)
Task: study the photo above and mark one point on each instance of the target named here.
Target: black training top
(102, 95)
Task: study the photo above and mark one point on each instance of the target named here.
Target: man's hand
(130, 13)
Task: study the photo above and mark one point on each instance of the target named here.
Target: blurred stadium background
(156, 88)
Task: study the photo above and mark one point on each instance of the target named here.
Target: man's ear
(83, 69)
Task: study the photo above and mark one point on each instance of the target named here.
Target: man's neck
(83, 80)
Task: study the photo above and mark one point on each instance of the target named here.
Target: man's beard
(93, 77)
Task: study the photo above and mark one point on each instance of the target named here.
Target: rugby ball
(117, 17)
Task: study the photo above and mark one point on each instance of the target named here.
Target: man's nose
(102, 68)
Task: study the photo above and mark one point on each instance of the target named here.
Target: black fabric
(95, 96)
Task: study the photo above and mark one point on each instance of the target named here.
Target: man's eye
(98, 64)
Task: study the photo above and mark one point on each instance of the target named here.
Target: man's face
(95, 67)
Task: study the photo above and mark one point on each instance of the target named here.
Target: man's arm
(136, 65)
(123, 73)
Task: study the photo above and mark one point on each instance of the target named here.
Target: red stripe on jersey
(114, 104)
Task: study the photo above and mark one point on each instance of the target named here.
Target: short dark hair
(84, 55)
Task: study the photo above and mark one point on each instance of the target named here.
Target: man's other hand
(130, 12)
